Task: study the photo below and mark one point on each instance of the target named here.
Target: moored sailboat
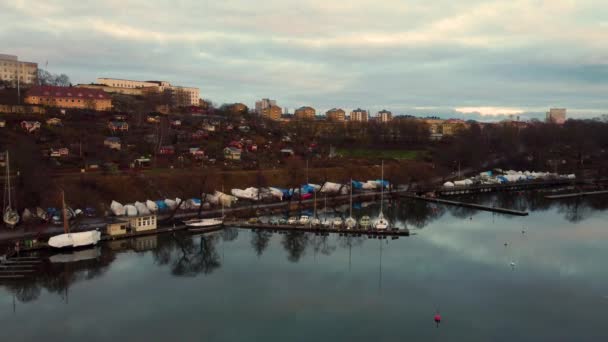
(73, 240)
(9, 215)
(381, 222)
(350, 222)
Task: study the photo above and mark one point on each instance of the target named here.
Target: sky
(478, 59)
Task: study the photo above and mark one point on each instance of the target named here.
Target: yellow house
(143, 223)
(118, 227)
(69, 97)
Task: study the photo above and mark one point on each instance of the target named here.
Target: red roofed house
(69, 97)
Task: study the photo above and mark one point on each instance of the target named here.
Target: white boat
(336, 222)
(205, 222)
(152, 206)
(10, 215)
(73, 240)
(304, 219)
(292, 220)
(142, 209)
(117, 209)
(381, 223)
(131, 210)
(365, 222)
(350, 222)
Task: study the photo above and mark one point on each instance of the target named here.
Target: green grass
(379, 153)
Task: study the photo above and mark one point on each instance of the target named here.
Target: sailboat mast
(65, 213)
(314, 214)
(382, 188)
(351, 197)
(8, 180)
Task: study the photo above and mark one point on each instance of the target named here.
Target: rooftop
(69, 92)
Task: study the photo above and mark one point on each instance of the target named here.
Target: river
(491, 277)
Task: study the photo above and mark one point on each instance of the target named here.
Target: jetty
(577, 194)
(315, 229)
(469, 205)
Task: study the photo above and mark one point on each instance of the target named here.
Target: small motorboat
(292, 220)
(204, 223)
(304, 220)
(337, 222)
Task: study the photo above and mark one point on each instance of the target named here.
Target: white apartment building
(12, 69)
(359, 115)
(190, 96)
(263, 104)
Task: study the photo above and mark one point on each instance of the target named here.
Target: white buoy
(512, 264)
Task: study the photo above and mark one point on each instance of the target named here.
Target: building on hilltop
(183, 96)
(384, 116)
(273, 112)
(336, 115)
(556, 116)
(305, 113)
(264, 104)
(69, 97)
(11, 70)
(359, 115)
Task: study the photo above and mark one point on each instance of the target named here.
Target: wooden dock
(311, 229)
(469, 205)
(577, 194)
(483, 188)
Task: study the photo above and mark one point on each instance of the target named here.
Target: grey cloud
(397, 55)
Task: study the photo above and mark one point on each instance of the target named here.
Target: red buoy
(437, 318)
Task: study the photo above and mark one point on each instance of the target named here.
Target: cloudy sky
(465, 58)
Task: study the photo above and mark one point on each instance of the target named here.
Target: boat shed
(117, 227)
(142, 223)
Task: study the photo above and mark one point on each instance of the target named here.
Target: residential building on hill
(359, 115)
(117, 90)
(273, 112)
(12, 69)
(264, 104)
(384, 116)
(69, 97)
(336, 115)
(556, 115)
(305, 113)
(184, 96)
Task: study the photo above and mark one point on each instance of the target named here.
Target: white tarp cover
(171, 204)
(330, 188)
(152, 206)
(276, 192)
(75, 239)
(117, 208)
(448, 184)
(142, 209)
(131, 210)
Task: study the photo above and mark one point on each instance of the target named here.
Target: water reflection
(186, 255)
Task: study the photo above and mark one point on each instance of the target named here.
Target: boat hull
(75, 240)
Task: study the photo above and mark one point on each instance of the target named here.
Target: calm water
(240, 285)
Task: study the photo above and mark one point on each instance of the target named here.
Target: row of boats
(381, 223)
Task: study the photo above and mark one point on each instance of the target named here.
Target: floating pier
(469, 205)
(577, 194)
(311, 229)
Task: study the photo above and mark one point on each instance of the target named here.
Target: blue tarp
(357, 185)
(502, 179)
(196, 200)
(287, 193)
(307, 189)
(385, 183)
(161, 205)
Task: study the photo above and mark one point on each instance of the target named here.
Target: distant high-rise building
(336, 115)
(556, 115)
(359, 115)
(263, 104)
(385, 116)
(305, 113)
(273, 112)
(12, 69)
